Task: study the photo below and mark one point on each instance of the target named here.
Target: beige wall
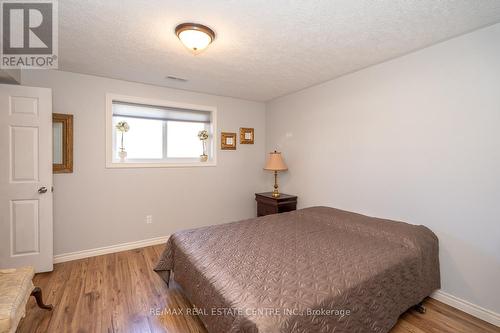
(10, 76)
(414, 139)
(95, 206)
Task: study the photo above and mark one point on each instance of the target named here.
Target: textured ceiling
(263, 49)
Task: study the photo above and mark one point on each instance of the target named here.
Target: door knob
(42, 190)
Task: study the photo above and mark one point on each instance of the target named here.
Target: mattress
(317, 269)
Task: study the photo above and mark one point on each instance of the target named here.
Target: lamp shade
(275, 162)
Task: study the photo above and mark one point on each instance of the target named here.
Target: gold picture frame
(228, 141)
(246, 136)
(62, 133)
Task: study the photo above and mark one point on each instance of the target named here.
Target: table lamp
(275, 163)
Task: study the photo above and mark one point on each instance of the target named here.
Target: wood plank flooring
(119, 292)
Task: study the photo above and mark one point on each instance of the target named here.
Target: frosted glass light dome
(195, 37)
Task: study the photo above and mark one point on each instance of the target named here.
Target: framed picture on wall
(246, 136)
(228, 141)
(62, 141)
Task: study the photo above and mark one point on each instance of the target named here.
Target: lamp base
(276, 193)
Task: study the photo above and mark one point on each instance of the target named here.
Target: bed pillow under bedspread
(317, 269)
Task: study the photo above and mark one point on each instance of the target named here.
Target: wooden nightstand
(266, 204)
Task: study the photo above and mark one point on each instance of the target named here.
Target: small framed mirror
(62, 141)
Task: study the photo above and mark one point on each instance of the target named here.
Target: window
(159, 133)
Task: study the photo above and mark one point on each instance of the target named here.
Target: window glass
(144, 140)
(182, 139)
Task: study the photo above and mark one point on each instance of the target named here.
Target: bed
(317, 269)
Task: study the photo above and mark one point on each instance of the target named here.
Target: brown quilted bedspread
(317, 269)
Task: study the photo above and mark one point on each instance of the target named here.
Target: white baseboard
(109, 249)
(467, 307)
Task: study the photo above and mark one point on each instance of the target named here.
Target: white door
(26, 177)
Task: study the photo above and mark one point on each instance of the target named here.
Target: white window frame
(111, 163)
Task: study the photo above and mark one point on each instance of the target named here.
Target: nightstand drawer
(267, 204)
(263, 210)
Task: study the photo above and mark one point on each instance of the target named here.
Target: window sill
(121, 165)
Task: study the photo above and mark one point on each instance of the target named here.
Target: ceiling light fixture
(196, 37)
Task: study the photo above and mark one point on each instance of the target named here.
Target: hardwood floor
(119, 293)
